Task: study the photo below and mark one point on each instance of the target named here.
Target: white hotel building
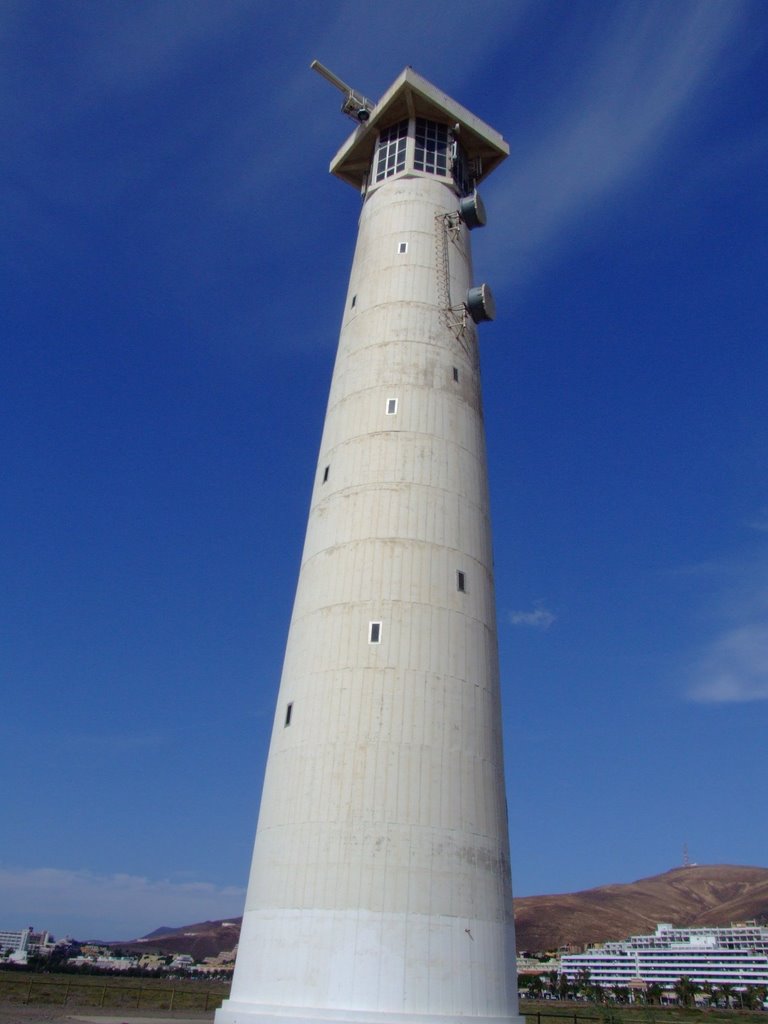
(19, 944)
(735, 956)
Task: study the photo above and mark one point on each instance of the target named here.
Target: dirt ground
(16, 1014)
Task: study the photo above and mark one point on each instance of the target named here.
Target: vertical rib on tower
(380, 887)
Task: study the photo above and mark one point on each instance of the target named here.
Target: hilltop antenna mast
(355, 105)
(686, 858)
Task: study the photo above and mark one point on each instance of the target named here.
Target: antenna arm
(329, 76)
(355, 105)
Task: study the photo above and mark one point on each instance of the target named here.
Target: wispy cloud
(119, 47)
(735, 668)
(427, 20)
(538, 617)
(641, 75)
(732, 666)
(118, 906)
(760, 521)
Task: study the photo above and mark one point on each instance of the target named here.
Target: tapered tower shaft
(380, 885)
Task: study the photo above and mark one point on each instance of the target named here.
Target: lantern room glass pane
(431, 148)
(390, 157)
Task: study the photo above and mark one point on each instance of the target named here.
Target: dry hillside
(693, 896)
(208, 938)
(697, 895)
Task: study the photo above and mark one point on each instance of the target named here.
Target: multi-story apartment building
(736, 956)
(13, 941)
(26, 941)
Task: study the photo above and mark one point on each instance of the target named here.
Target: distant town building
(104, 963)
(183, 961)
(18, 945)
(532, 966)
(222, 963)
(736, 956)
(151, 962)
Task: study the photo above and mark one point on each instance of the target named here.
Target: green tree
(653, 993)
(552, 984)
(726, 991)
(564, 986)
(584, 982)
(748, 998)
(536, 986)
(685, 990)
(57, 958)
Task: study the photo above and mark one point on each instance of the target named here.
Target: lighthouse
(380, 886)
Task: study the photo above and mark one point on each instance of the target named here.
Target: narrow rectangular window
(326, 471)
(354, 301)
(391, 406)
(288, 713)
(456, 373)
(374, 632)
(461, 581)
(402, 247)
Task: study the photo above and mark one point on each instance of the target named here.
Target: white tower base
(244, 1013)
(395, 957)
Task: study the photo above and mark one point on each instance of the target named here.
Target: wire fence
(644, 1014)
(114, 993)
(108, 993)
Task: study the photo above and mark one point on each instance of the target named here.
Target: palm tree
(620, 994)
(583, 984)
(563, 986)
(726, 991)
(748, 998)
(535, 986)
(685, 990)
(653, 993)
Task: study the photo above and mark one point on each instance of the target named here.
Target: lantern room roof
(410, 95)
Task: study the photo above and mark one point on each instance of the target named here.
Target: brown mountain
(208, 938)
(690, 896)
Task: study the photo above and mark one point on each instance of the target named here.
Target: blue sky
(174, 260)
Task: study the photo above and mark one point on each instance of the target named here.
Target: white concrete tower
(380, 888)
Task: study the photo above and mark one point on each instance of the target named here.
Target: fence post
(138, 998)
(66, 993)
(29, 993)
(103, 994)
(205, 1004)
(173, 996)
